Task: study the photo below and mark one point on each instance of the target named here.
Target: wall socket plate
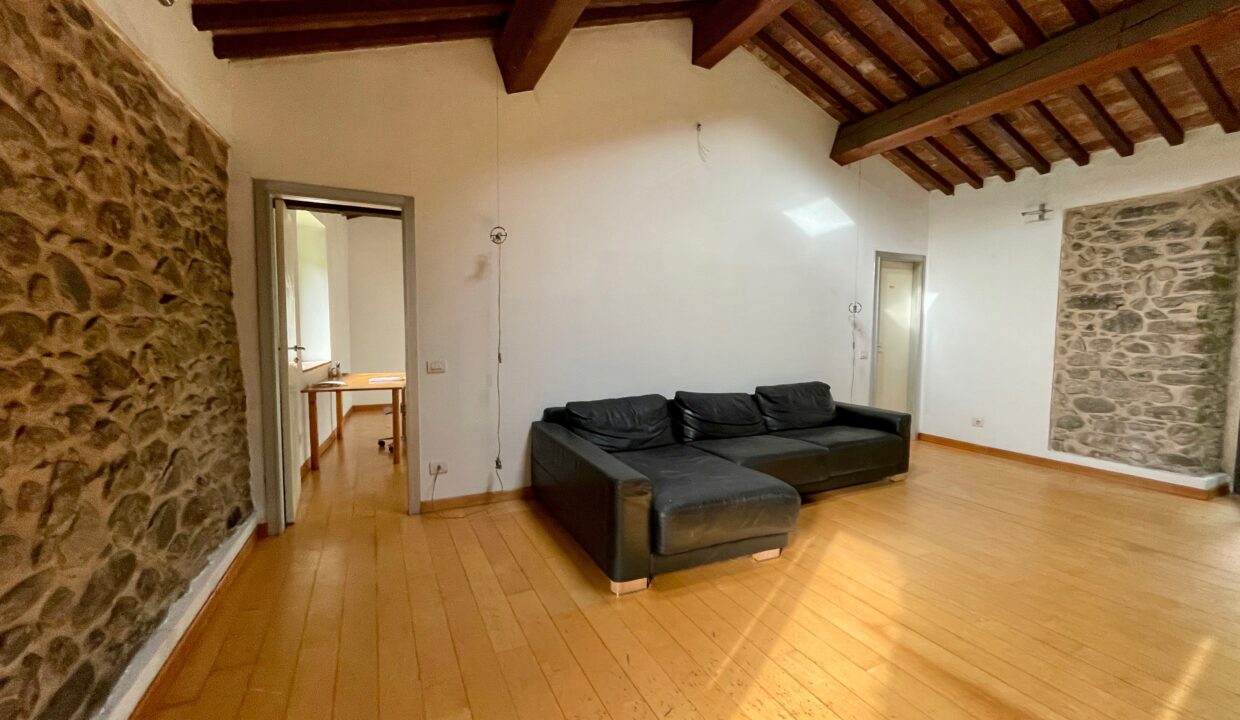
(979, 422)
(439, 468)
(434, 367)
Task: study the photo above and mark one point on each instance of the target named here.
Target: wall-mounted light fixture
(1041, 214)
(167, 3)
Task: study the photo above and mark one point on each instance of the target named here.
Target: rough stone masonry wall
(123, 458)
(1146, 318)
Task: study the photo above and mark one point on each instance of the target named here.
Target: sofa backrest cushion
(796, 406)
(705, 416)
(631, 423)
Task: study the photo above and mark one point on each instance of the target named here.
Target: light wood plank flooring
(979, 589)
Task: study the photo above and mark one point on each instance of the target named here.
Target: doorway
(338, 331)
(898, 282)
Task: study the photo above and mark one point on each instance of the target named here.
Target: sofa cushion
(700, 500)
(794, 461)
(853, 449)
(791, 407)
(718, 415)
(629, 423)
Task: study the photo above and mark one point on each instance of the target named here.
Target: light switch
(434, 367)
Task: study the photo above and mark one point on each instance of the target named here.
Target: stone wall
(123, 457)
(1146, 319)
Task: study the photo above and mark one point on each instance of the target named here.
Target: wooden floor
(980, 588)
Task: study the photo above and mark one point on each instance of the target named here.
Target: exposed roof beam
(924, 169)
(532, 35)
(1082, 11)
(1150, 28)
(809, 40)
(1020, 144)
(811, 79)
(938, 63)
(860, 37)
(728, 24)
(949, 157)
(968, 35)
(1140, 89)
(1098, 115)
(285, 15)
(1060, 134)
(1001, 168)
(1208, 86)
(1018, 19)
(272, 44)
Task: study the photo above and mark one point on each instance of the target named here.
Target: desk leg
(340, 421)
(314, 430)
(395, 426)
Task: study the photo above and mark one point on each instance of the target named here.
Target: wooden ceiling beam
(531, 37)
(1082, 11)
(1020, 144)
(729, 24)
(950, 158)
(923, 168)
(968, 35)
(1149, 28)
(808, 39)
(1101, 119)
(1209, 88)
(1001, 168)
(860, 37)
(287, 15)
(813, 80)
(1021, 22)
(1152, 105)
(1059, 133)
(937, 62)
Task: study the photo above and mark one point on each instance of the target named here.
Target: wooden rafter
(1150, 28)
(1209, 88)
(532, 34)
(1140, 89)
(809, 78)
(922, 167)
(728, 24)
(1001, 168)
(964, 31)
(950, 158)
(860, 37)
(1059, 133)
(937, 62)
(1020, 144)
(287, 15)
(808, 39)
(1082, 11)
(1021, 22)
(1101, 119)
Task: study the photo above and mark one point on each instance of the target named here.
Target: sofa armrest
(603, 503)
(897, 423)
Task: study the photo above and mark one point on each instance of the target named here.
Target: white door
(895, 335)
(292, 417)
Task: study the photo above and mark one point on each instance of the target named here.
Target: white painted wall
(632, 265)
(376, 289)
(338, 291)
(993, 284)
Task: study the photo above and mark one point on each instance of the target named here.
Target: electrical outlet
(438, 468)
(979, 422)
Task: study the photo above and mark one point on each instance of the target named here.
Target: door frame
(915, 344)
(265, 194)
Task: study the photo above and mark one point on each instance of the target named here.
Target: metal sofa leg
(629, 586)
(767, 555)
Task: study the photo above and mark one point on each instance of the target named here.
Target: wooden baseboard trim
(465, 501)
(193, 634)
(1096, 473)
(371, 407)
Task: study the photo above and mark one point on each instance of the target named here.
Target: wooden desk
(355, 382)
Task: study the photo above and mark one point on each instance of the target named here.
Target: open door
(284, 224)
(897, 336)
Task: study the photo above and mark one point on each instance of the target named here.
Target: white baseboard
(137, 678)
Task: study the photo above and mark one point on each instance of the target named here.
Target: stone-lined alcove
(123, 452)
(1145, 328)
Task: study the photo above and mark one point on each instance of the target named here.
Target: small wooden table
(355, 382)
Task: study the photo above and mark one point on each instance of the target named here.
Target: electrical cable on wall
(855, 307)
(498, 235)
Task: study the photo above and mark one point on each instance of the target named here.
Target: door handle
(298, 348)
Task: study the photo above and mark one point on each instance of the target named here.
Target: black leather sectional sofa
(648, 486)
